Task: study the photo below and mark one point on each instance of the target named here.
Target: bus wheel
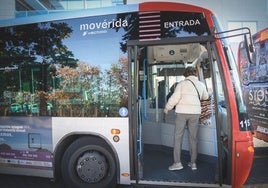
(88, 162)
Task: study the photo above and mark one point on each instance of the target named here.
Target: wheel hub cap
(91, 167)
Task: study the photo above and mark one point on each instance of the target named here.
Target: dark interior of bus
(161, 67)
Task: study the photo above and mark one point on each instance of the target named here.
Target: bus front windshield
(244, 122)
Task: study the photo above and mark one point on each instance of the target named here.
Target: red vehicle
(254, 78)
(90, 86)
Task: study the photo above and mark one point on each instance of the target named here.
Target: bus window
(221, 105)
(58, 84)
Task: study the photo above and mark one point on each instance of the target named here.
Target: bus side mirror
(249, 48)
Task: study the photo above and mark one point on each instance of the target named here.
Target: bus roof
(172, 6)
(146, 6)
(261, 35)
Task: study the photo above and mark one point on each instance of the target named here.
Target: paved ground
(258, 177)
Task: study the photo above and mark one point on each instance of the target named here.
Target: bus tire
(89, 162)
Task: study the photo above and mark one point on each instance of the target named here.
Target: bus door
(147, 93)
(155, 71)
(135, 115)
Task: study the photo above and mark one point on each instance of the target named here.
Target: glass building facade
(33, 7)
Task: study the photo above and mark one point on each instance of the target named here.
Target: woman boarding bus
(82, 96)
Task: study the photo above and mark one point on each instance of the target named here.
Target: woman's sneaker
(192, 166)
(176, 166)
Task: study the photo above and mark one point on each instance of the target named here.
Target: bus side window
(219, 95)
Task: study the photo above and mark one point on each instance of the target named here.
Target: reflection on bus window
(42, 77)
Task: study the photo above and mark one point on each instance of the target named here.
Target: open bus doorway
(159, 69)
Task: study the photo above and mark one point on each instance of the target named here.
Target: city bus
(254, 78)
(82, 97)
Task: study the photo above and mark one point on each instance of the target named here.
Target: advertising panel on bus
(26, 142)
